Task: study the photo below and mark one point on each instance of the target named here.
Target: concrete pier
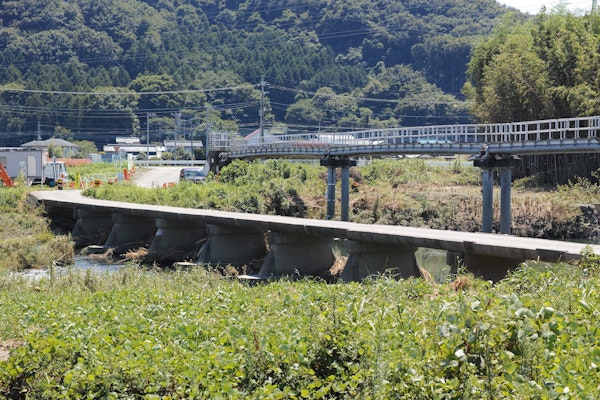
(130, 230)
(490, 268)
(505, 200)
(297, 254)
(91, 227)
(487, 202)
(366, 259)
(176, 236)
(232, 245)
(332, 163)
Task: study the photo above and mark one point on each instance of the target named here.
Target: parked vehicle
(192, 174)
(53, 173)
(32, 165)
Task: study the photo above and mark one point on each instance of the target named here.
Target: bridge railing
(442, 135)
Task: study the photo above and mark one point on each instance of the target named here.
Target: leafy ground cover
(189, 334)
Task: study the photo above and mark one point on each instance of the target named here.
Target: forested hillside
(344, 63)
(544, 69)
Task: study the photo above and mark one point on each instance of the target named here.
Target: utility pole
(39, 131)
(148, 116)
(177, 115)
(594, 6)
(207, 150)
(192, 140)
(261, 112)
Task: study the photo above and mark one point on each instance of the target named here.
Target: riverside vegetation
(153, 334)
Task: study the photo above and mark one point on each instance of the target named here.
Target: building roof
(37, 144)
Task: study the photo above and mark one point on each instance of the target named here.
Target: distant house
(69, 149)
(187, 145)
(132, 145)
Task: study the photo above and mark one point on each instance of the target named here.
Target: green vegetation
(25, 238)
(328, 63)
(189, 334)
(272, 187)
(543, 69)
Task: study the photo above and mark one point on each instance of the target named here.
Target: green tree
(163, 88)
(86, 147)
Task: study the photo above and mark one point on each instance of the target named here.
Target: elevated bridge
(569, 135)
(495, 148)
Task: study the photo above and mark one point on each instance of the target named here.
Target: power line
(81, 93)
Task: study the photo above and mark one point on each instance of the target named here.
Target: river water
(82, 263)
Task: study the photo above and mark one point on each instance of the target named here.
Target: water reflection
(82, 263)
(96, 265)
(434, 262)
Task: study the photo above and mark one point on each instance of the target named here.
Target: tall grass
(25, 238)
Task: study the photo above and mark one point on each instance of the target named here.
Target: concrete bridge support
(175, 236)
(91, 227)
(365, 259)
(130, 230)
(332, 163)
(487, 203)
(505, 200)
(292, 254)
(488, 164)
(232, 245)
(331, 181)
(492, 268)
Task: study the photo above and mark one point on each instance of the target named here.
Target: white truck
(32, 165)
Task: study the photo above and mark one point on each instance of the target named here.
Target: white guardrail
(443, 137)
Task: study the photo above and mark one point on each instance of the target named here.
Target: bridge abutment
(297, 254)
(366, 259)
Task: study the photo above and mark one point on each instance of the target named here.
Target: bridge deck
(568, 135)
(493, 245)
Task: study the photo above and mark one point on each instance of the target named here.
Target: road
(156, 176)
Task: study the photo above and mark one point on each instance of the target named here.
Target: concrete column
(129, 231)
(232, 246)
(490, 268)
(365, 259)
(91, 227)
(487, 192)
(505, 200)
(331, 180)
(176, 240)
(345, 206)
(293, 254)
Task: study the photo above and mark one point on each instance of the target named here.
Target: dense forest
(543, 69)
(90, 68)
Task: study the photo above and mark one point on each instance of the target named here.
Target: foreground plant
(190, 334)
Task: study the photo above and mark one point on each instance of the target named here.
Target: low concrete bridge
(293, 246)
